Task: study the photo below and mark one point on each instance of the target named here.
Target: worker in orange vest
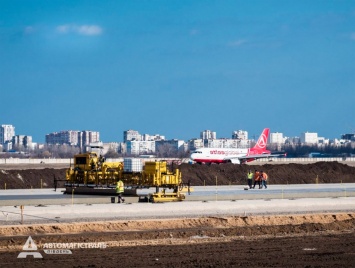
(264, 178)
(256, 178)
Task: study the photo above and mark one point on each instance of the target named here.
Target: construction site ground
(319, 239)
(309, 240)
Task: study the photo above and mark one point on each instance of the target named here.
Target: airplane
(235, 155)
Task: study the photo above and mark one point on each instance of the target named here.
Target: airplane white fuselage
(234, 155)
(218, 155)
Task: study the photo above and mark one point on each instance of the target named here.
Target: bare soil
(321, 240)
(321, 172)
(315, 240)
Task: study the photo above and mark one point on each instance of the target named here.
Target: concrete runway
(199, 193)
(46, 205)
(11, 215)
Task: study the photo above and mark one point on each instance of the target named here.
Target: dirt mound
(31, 178)
(243, 225)
(225, 174)
(321, 172)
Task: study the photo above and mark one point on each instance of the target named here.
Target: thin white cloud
(237, 43)
(352, 36)
(193, 32)
(29, 30)
(63, 29)
(89, 30)
(79, 29)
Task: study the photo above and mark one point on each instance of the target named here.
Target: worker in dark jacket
(264, 178)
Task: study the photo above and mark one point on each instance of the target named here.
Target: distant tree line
(302, 150)
(47, 151)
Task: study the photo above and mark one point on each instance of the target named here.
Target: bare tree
(166, 150)
(111, 153)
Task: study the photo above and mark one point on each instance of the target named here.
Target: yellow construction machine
(156, 174)
(89, 169)
(91, 174)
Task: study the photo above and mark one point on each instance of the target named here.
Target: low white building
(156, 137)
(194, 144)
(309, 137)
(277, 138)
(226, 143)
(324, 141)
(140, 147)
(175, 144)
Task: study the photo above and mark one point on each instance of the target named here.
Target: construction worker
(264, 178)
(250, 176)
(256, 178)
(119, 191)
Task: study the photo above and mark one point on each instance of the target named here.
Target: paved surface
(47, 205)
(200, 193)
(88, 212)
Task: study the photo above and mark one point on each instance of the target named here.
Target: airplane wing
(249, 158)
(266, 155)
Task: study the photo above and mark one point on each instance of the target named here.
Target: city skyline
(178, 67)
(121, 139)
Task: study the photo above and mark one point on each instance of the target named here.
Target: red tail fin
(262, 141)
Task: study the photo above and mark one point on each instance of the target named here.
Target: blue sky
(176, 68)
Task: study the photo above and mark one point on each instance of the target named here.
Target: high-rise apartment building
(208, 135)
(63, 137)
(19, 141)
(86, 137)
(131, 135)
(73, 137)
(240, 135)
(6, 133)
